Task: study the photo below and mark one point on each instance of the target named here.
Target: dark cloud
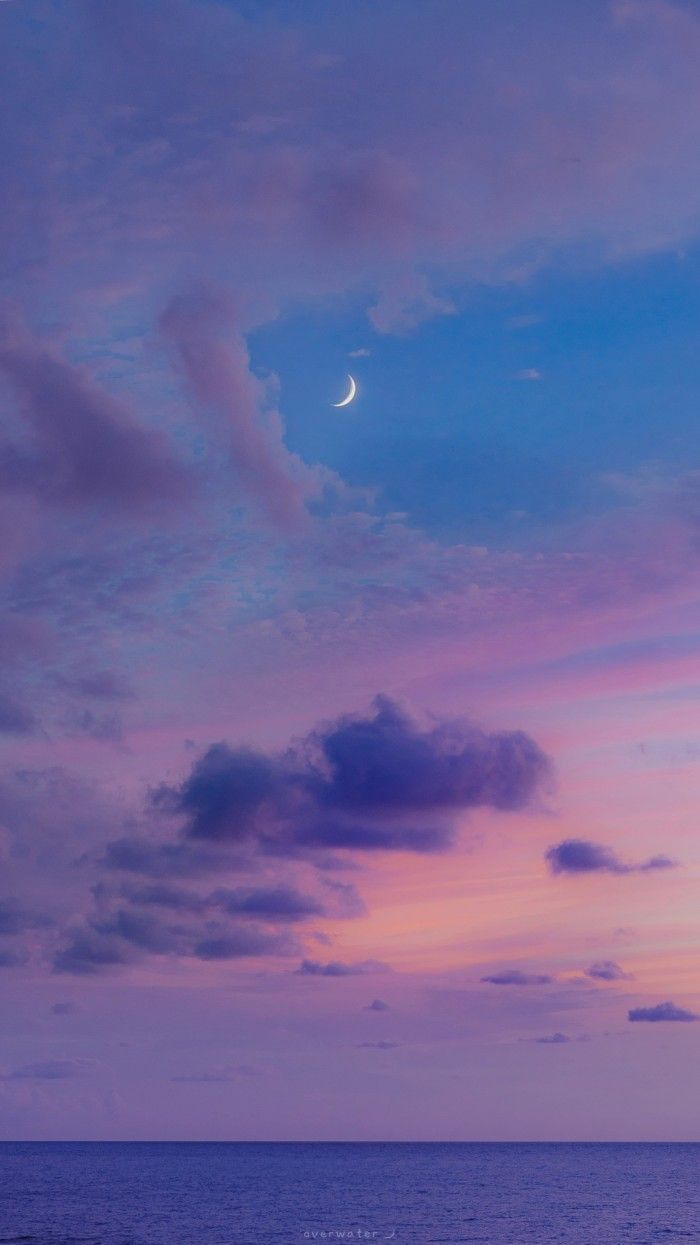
(280, 903)
(129, 934)
(14, 718)
(87, 950)
(377, 1005)
(99, 685)
(144, 931)
(64, 1009)
(15, 918)
(386, 763)
(514, 977)
(50, 1070)
(245, 941)
(378, 1045)
(224, 1077)
(364, 783)
(106, 727)
(224, 794)
(132, 854)
(582, 856)
(12, 959)
(369, 838)
(607, 970)
(161, 895)
(85, 448)
(553, 1039)
(661, 1012)
(336, 968)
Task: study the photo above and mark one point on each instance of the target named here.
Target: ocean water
(115, 1193)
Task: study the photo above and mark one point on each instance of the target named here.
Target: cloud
(377, 1005)
(514, 977)
(128, 935)
(581, 856)
(225, 1077)
(309, 179)
(607, 970)
(214, 359)
(12, 959)
(142, 930)
(162, 895)
(553, 1039)
(661, 1012)
(106, 727)
(280, 903)
(15, 918)
(88, 951)
(49, 1070)
(14, 718)
(149, 858)
(378, 1045)
(528, 373)
(243, 942)
(64, 1009)
(405, 302)
(226, 791)
(84, 447)
(362, 783)
(336, 968)
(368, 838)
(387, 763)
(98, 685)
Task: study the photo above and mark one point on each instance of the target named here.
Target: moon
(349, 395)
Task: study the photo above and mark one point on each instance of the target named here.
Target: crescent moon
(349, 395)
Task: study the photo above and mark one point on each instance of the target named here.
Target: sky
(349, 756)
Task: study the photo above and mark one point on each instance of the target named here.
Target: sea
(133, 1193)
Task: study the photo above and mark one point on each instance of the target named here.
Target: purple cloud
(514, 977)
(377, 1005)
(150, 858)
(98, 685)
(581, 856)
(128, 935)
(357, 784)
(12, 959)
(64, 1009)
(381, 1045)
(242, 942)
(225, 1077)
(84, 449)
(49, 1070)
(214, 359)
(336, 968)
(607, 970)
(661, 1012)
(277, 903)
(15, 918)
(14, 718)
(387, 763)
(88, 951)
(225, 793)
(553, 1039)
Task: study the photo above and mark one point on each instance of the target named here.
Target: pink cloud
(215, 362)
